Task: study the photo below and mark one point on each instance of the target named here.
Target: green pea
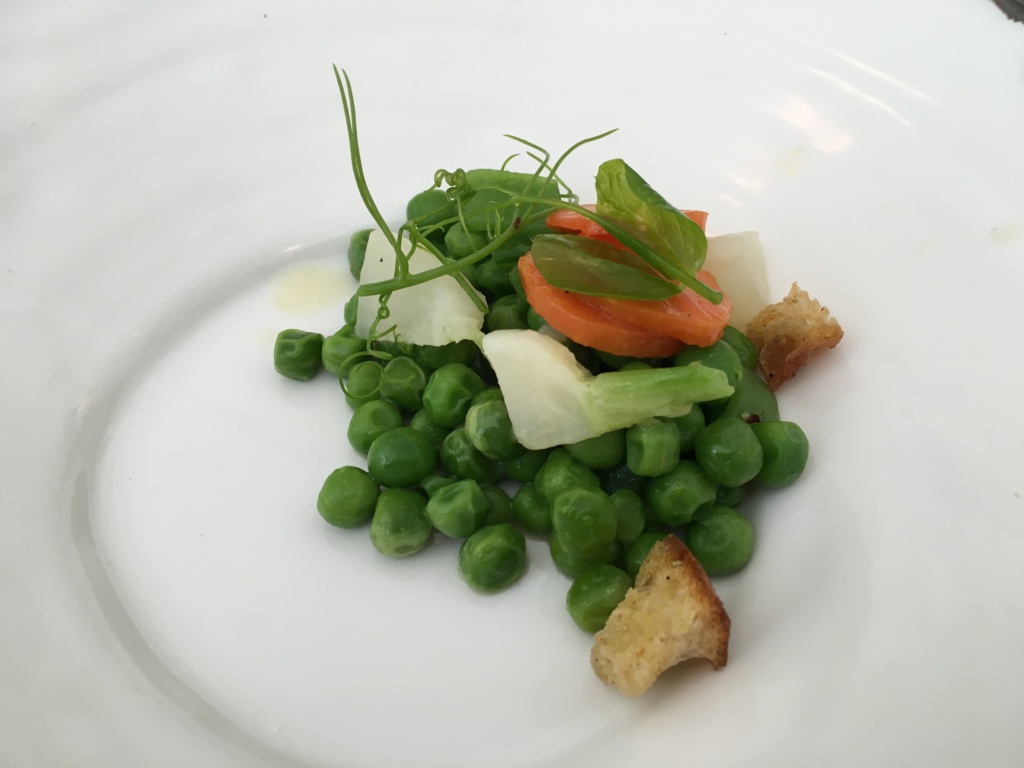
(493, 278)
(351, 311)
(719, 355)
(461, 243)
(391, 348)
(400, 527)
(524, 468)
(573, 566)
(721, 539)
(434, 432)
(729, 451)
(340, 350)
(430, 208)
(500, 509)
(622, 476)
(731, 497)
(297, 354)
(363, 383)
(534, 321)
(532, 510)
(490, 430)
(594, 594)
(461, 458)
(638, 551)
(403, 384)
(601, 452)
(369, 421)
(630, 515)
(741, 345)
(690, 425)
(432, 483)
(432, 358)
(584, 520)
(752, 398)
(516, 281)
(458, 509)
(487, 394)
(357, 251)
(785, 450)
(676, 496)
(493, 558)
(347, 497)
(400, 457)
(652, 447)
(561, 472)
(449, 393)
(507, 312)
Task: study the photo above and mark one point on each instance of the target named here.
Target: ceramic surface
(175, 189)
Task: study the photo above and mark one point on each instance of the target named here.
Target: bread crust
(671, 614)
(787, 333)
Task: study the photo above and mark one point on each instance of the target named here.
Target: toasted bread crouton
(786, 334)
(672, 614)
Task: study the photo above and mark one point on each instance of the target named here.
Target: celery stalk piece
(435, 312)
(553, 400)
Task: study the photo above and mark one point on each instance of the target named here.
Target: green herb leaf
(622, 194)
(596, 268)
(629, 237)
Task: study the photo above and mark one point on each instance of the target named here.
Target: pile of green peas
(442, 459)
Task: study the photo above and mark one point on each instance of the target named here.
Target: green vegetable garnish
(647, 224)
(597, 268)
(622, 194)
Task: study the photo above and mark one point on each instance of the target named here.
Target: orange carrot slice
(586, 324)
(686, 316)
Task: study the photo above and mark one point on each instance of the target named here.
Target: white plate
(169, 595)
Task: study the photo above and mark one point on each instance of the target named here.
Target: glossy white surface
(169, 596)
